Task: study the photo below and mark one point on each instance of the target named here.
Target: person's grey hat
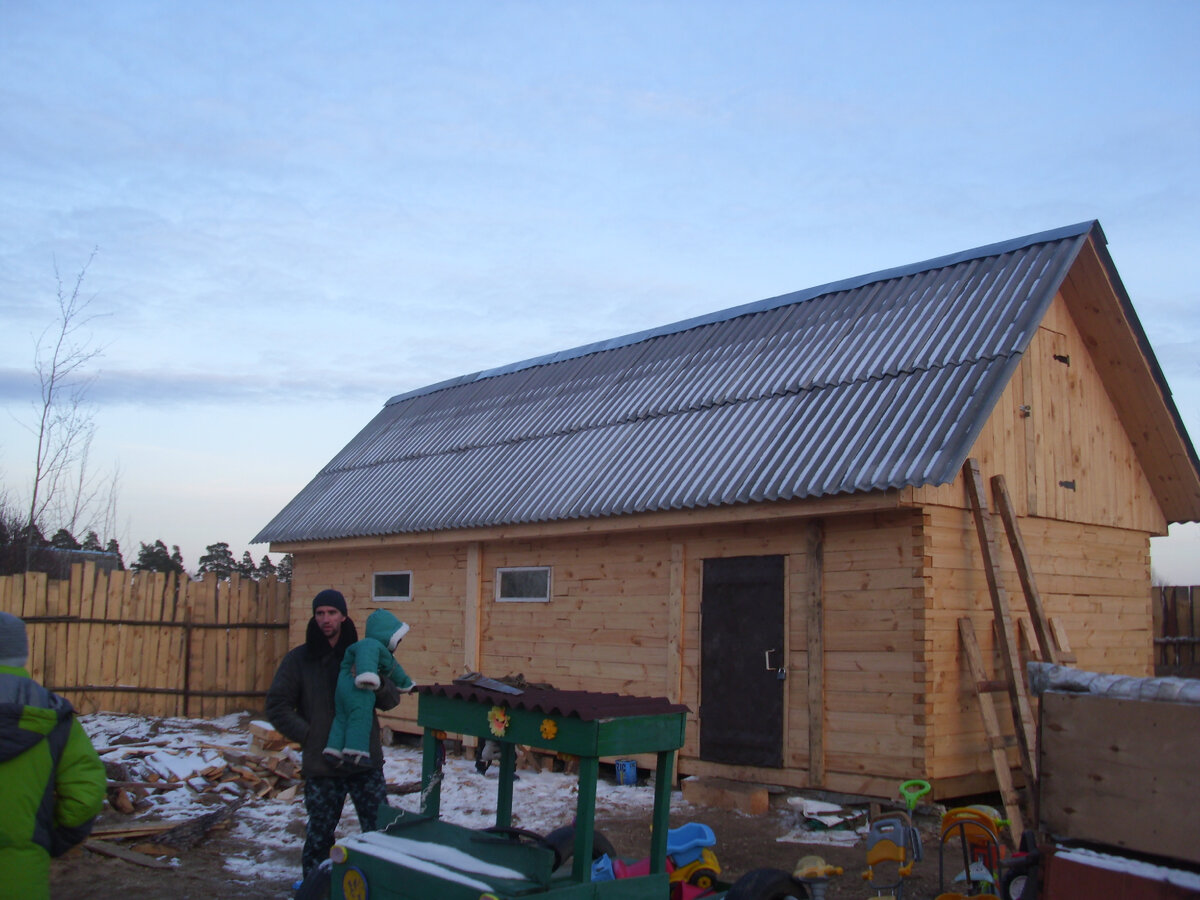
(14, 645)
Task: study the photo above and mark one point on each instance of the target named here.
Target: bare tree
(63, 423)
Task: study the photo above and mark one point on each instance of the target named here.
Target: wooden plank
(1063, 646)
(35, 606)
(56, 600)
(676, 613)
(473, 607)
(991, 724)
(1029, 434)
(1194, 627)
(1121, 773)
(1033, 599)
(104, 848)
(814, 597)
(83, 649)
(119, 665)
(1022, 714)
(152, 640)
(210, 640)
(1028, 639)
(171, 643)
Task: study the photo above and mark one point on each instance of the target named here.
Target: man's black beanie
(330, 597)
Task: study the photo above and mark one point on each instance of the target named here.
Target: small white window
(523, 584)
(392, 586)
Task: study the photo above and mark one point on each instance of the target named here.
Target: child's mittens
(368, 681)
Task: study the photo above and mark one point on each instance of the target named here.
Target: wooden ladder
(998, 744)
(1047, 642)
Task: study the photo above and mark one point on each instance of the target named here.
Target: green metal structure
(416, 856)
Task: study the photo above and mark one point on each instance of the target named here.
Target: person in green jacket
(52, 783)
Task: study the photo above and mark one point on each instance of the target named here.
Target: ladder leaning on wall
(1044, 637)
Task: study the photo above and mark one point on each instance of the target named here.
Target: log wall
(1093, 580)
(625, 617)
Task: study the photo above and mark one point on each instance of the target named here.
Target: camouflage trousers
(324, 797)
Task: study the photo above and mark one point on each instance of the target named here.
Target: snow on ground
(271, 830)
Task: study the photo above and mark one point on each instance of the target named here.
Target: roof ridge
(757, 306)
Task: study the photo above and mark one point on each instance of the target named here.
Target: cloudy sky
(303, 209)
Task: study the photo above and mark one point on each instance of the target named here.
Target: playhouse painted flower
(498, 720)
(549, 729)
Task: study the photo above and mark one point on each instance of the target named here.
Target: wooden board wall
(1055, 423)
(434, 648)
(1121, 773)
(625, 617)
(1094, 580)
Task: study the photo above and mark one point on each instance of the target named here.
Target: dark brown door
(741, 661)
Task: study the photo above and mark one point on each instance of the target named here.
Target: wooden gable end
(1083, 432)
(1101, 311)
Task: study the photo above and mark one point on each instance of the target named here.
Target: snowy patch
(270, 831)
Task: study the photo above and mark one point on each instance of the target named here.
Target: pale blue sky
(304, 209)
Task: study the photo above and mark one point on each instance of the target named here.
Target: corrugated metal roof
(876, 382)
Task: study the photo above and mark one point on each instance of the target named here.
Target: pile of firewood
(266, 769)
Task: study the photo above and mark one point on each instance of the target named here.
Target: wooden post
(814, 544)
(473, 603)
(675, 623)
(1006, 635)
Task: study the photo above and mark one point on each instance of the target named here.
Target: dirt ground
(743, 843)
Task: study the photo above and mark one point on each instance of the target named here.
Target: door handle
(780, 671)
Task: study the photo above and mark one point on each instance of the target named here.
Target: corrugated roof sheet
(877, 382)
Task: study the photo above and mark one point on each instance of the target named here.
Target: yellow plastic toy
(977, 829)
(701, 872)
(813, 872)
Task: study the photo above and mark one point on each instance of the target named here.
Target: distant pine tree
(217, 559)
(64, 540)
(155, 558)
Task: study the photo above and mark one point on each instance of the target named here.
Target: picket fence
(1176, 631)
(150, 643)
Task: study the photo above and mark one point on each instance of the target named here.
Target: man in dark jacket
(300, 704)
(52, 783)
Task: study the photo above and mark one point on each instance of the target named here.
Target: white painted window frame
(501, 570)
(391, 598)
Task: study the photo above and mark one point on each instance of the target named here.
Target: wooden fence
(1176, 631)
(150, 643)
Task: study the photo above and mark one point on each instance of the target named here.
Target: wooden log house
(760, 513)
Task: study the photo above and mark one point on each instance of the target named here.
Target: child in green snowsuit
(365, 663)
